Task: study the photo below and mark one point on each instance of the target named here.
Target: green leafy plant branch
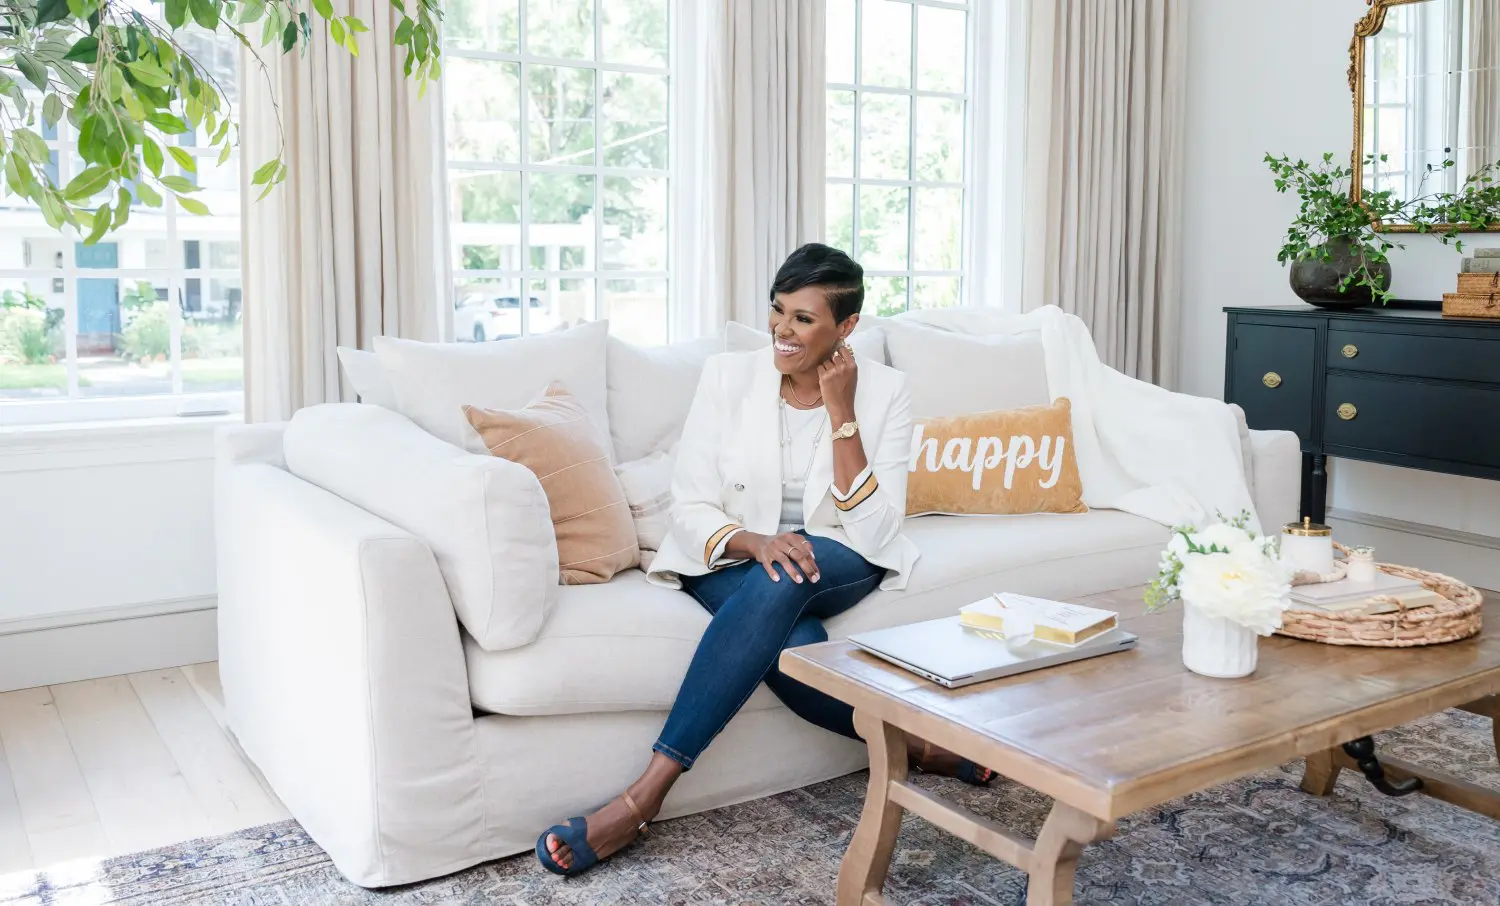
(128, 87)
(1329, 211)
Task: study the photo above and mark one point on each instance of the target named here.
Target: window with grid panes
(897, 126)
(1389, 108)
(144, 323)
(557, 165)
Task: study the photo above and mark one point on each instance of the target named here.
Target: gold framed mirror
(1425, 79)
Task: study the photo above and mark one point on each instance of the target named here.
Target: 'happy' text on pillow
(977, 455)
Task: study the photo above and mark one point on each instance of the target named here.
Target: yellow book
(1051, 621)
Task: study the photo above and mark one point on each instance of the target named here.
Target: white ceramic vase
(1215, 646)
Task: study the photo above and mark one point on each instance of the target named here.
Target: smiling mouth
(785, 348)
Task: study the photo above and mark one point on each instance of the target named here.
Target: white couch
(407, 750)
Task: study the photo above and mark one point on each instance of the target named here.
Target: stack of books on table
(1012, 617)
(1484, 261)
(1346, 595)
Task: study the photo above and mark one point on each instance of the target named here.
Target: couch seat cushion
(1048, 555)
(621, 646)
(625, 646)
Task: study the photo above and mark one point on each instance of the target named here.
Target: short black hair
(839, 276)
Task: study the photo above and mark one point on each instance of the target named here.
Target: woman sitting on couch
(789, 494)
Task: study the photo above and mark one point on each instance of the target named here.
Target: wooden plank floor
(115, 765)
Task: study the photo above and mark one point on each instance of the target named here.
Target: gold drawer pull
(1350, 351)
(1347, 411)
(1272, 380)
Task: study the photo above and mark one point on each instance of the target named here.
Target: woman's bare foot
(617, 824)
(933, 759)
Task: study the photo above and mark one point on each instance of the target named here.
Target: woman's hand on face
(837, 378)
(793, 551)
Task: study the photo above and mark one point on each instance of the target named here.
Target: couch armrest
(344, 677)
(486, 519)
(238, 444)
(1277, 460)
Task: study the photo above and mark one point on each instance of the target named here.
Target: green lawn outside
(34, 377)
(213, 371)
(55, 376)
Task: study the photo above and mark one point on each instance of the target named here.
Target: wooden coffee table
(1113, 735)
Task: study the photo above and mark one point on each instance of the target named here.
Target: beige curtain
(748, 153)
(1484, 82)
(353, 244)
(1106, 83)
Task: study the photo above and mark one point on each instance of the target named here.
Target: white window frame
(75, 407)
(597, 274)
(911, 183)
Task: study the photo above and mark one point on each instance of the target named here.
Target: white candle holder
(1308, 546)
(1362, 564)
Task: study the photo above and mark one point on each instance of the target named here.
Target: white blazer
(729, 464)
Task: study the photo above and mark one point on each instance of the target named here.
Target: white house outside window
(144, 323)
(557, 165)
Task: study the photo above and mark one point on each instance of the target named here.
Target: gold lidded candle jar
(1308, 546)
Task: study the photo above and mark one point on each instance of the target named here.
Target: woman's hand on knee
(793, 552)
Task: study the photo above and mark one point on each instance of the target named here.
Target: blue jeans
(755, 618)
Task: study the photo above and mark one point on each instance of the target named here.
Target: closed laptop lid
(944, 648)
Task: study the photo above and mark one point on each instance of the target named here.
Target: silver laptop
(950, 655)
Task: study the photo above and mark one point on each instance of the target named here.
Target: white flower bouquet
(1226, 571)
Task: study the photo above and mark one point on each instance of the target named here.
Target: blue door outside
(98, 297)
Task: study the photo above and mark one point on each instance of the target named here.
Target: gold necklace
(793, 389)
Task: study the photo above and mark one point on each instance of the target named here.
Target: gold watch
(847, 429)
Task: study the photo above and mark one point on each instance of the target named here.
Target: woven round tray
(1458, 617)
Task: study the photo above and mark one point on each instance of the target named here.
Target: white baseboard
(63, 648)
(1466, 556)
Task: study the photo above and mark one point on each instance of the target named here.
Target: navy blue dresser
(1401, 385)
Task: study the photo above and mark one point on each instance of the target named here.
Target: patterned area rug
(1257, 841)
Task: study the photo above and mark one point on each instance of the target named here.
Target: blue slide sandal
(973, 774)
(968, 772)
(574, 835)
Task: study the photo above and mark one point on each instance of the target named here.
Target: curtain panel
(354, 244)
(748, 153)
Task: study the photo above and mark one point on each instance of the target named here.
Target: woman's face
(804, 331)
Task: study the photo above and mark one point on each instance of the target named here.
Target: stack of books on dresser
(1346, 595)
(1478, 294)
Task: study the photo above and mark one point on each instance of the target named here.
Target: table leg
(1055, 857)
(1489, 706)
(862, 874)
(1321, 774)
(1319, 502)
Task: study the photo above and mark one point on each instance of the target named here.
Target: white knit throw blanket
(1169, 457)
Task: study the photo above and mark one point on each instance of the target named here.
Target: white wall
(1270, 76)
(106, 549)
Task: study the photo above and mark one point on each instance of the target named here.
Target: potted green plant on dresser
(1335, 245)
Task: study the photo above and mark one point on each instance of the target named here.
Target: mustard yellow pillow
(996, 463)
(555, 438)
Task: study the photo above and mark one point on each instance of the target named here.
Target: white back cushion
(432, 382)
(649, 392)
(648, 490)
(956, 374)
(367, 377)
(485, 518)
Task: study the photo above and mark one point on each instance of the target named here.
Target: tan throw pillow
(555, 438)
(996, 463)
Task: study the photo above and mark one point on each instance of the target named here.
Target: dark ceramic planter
(1317, 280)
